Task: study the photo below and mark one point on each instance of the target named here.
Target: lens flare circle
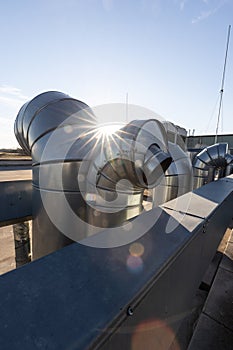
(136, 249)
(153, 334)
(73, 225)
(134, 264)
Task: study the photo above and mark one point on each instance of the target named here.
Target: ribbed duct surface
(83, 179)
(178, 179)
(212, 163)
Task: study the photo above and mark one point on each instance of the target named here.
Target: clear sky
(167, 54)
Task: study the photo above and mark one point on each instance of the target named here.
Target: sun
(109, 129)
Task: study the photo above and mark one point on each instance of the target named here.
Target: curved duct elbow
(178, 179)
(212, 163)
(156, 164)
(46, 113)
(98, 179)
(132, 160)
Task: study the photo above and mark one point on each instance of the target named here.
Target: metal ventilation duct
(100, 180)
(178, 178)
(212, 163)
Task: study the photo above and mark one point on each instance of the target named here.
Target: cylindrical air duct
(211, 163)
(83, 180)
(178, 178)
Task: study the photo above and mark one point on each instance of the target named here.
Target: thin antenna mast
(222, 85)
(126, 106)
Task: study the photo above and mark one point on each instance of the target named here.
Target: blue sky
(167, 54)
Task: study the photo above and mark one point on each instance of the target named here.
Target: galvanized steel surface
(133, 159)
(212, 163)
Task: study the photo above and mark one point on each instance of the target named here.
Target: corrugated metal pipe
(212, 163)
(83, 178)
(178, 179)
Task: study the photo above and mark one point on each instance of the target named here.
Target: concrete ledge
(210, 335)
(211, 272)
(219, 304)
(215, 328)
(227, 260)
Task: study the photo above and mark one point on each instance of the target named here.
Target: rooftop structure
(121, 275)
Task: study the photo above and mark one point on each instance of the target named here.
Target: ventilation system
(83, 179)
(212, 163)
